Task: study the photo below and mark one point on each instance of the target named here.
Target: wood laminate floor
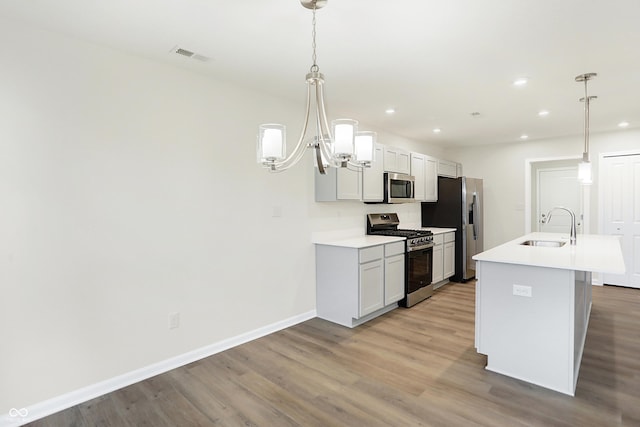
(410, 367)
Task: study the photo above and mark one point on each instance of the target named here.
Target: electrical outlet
(522, 291)
(174, 320)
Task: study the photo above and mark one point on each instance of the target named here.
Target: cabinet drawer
(371, 254)
(449, 237)
(395, 248)
(438, 239)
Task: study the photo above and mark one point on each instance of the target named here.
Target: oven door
(419, 274)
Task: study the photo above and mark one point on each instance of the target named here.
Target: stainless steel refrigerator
(459, 206)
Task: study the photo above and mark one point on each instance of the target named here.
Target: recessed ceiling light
(390, 110)
(437, 130)
(623, 124)
(523, 136)
(543, 113)
(520, 81)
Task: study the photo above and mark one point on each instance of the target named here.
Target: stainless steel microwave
(398, 188)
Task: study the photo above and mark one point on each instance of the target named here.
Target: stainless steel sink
(544, 243)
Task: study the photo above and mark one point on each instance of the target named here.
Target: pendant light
(340, 145)
(584, 167)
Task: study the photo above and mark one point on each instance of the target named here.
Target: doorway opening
(551, 182)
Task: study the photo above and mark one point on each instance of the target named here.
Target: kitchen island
(533, 304)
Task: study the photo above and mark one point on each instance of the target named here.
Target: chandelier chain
(314, 57)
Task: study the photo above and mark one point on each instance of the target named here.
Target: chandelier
(340, 145)
(584, 167)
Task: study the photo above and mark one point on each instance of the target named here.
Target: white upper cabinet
(430, 179)
(417, 170)
(425, 171)
(396, 160)
(447, 168)
(338, 184)
(373, 177)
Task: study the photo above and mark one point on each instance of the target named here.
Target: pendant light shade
(365, 142)
(584, 172)
(271, 143)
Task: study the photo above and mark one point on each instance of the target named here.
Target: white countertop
(357, 242)
(595, 253)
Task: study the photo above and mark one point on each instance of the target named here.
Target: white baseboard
(20, 416)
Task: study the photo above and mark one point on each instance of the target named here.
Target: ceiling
(435, 62)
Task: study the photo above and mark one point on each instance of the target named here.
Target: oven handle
(421, 247)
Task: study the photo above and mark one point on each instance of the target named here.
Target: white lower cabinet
(438, 263)
(393, 272)
(449, 255)
(444, 255)
(371, 285)
(354, 285)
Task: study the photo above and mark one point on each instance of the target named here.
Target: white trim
(67, 400)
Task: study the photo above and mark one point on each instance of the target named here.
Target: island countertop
(594, 253)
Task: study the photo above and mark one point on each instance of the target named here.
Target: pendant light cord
(586, 120)
(314, 57)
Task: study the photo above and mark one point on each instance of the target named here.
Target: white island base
(531, 322)
(533, 305)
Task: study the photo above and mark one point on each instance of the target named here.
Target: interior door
(620, 194)
(558, 187)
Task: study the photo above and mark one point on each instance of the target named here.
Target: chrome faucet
(573, 221)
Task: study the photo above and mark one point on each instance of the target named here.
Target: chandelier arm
(323, 112)
(324, 130)
(356, 164)
(319, 162)
(323, 144)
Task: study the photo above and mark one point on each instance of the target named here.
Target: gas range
(386, 224)
(418, 255)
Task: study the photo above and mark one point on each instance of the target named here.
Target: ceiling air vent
(184, 52)
(190, 54)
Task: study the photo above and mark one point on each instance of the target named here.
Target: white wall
(502, 166)
(129, 190)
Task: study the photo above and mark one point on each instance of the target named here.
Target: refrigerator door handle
(474, 210)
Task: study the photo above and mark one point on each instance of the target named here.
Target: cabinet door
(418, 171)
(447, 168)
(430, 179)
(371, 296)
(449, 255)
(349, 184)
(393, 279)
(396, 160)
(390, 159)
(403, 164)
(372, 178)
(438, 263)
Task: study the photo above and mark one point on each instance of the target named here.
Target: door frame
(529, 192)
